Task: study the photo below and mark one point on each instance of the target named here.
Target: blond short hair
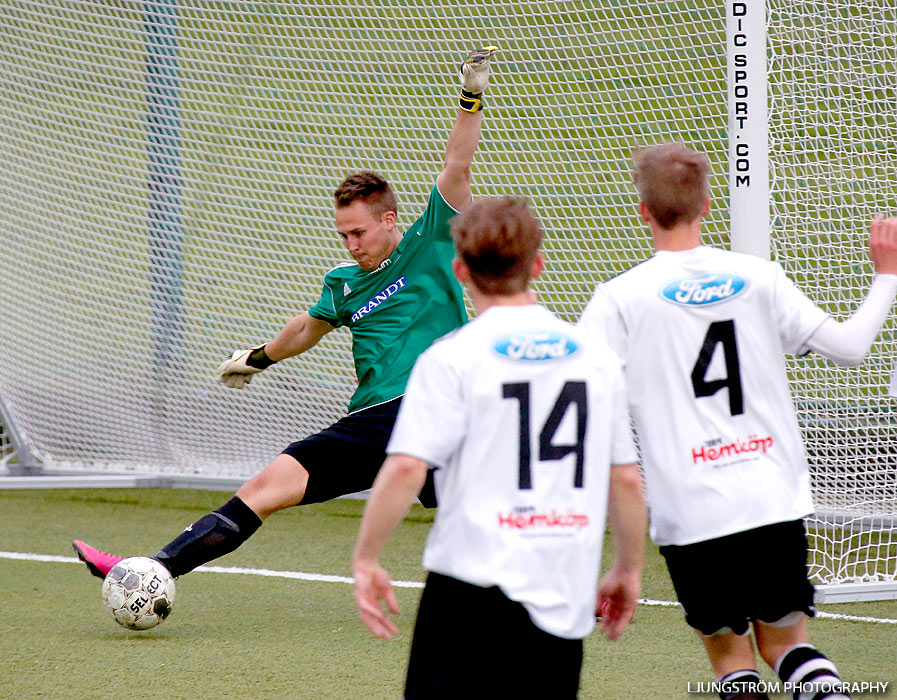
(672, 182)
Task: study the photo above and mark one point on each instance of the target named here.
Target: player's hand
(475, 70)
(371, 586)
(883, 244)
(237, 370)
(617, 597)
(474, 75)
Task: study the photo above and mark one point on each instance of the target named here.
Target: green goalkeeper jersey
(396, 311)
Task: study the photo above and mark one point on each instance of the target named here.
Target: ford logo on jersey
(536, 346)
(709, 288)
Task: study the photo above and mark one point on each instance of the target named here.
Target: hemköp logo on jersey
(536, 346)
(704, 289)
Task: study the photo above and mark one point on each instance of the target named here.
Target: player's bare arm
(395, 488)
(627, 516)
(454, 180)
(847, 343)
(301, 333)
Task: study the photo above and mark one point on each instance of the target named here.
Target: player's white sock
(808, 674)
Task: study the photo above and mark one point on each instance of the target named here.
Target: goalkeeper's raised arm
(454, 181)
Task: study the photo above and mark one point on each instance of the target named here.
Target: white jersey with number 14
(524, 416)
(702, 334)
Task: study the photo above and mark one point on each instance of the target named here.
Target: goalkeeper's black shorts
(346, 456)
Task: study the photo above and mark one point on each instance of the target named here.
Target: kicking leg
(280, 485)
(343, 458)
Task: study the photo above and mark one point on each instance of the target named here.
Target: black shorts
(758, 574)
(474, 642)
(345, 457)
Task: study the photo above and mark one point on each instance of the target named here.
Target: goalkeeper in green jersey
(396, 299)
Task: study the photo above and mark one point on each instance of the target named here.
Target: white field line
(25, 556)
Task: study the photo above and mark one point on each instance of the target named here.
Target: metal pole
(27, 462)
(165, 183)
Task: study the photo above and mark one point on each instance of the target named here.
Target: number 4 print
(720, 332)
(573, 393)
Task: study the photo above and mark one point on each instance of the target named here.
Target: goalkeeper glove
(474, 77)
(237, 370)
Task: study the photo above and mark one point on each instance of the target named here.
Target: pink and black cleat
(98, 563)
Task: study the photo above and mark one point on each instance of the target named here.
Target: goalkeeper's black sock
(742, 685)
(210, 537)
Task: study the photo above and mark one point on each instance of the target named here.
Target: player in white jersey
(702, 334)
(523, 416)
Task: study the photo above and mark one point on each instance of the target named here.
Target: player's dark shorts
(474, 642)
(758, 574)
(345, 457)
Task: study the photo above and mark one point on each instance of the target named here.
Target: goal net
(166, 173)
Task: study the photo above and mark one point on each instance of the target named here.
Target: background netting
(165, 197)
(833, 123)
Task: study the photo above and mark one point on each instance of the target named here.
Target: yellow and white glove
(474, 75)
(237, 370)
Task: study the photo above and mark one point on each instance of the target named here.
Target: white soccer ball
(139, 592)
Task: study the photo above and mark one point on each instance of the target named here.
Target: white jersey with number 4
(523, 415)
(702, 334)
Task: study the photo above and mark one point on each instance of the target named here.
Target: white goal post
(165, 178)
(748, 134)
